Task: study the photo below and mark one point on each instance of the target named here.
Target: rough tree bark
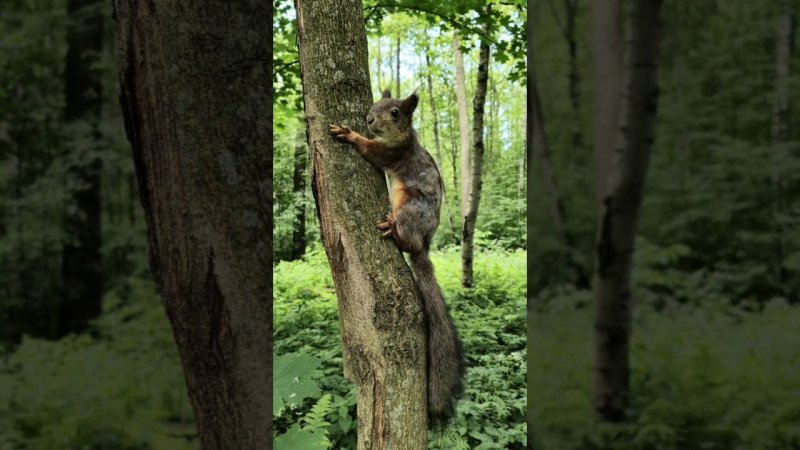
(606, 34)
(380, 307)
(463, 123)
(476, 163)
(299, 190)
(620, 212)
(81, 269)
(196, 98)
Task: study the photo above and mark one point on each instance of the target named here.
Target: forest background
(88, 358)
(714, 336)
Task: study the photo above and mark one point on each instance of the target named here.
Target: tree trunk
(380, 307)
(463, 123)
(618, 222)
(447, 207)
(607, 67)
(380, 63)
(196, 97)
(299, 190)
(81, 270)
(476, 176)
(571, 7)
(558, 211)
(784, 45)
(397, 67)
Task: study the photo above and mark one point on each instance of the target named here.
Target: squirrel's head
(390, 119)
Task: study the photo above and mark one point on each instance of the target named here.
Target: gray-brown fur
(416, 198)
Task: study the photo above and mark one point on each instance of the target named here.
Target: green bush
(701, 378)
(122, 390)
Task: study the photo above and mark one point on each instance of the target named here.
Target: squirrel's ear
(387, 93)
(410, 104)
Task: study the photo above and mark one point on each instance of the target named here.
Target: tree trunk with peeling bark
(476, 163)
(380, 307)
(620, 212)
(196, 98)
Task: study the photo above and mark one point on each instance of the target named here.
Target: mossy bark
(380, 307)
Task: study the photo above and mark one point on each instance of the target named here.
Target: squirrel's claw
(338, 132)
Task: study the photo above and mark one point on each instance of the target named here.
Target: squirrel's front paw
(340, 133)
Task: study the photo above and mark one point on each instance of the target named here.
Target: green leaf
(292, 380)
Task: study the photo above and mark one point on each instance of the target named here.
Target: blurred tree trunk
(380, 64)
(380, 308)
(784, 47)
(447, 206)
(463, 123)
(574, 80)
(620, 211)
(558, 211)
(606, 38)
(299, 190)
(196, 97)
(81, 270)
(476, 164)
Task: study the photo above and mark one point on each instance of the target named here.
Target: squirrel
(416, 197)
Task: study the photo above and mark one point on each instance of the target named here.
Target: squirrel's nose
(370, 119)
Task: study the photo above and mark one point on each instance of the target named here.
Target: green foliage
(490, 318)
(702, 378)
(122, 390)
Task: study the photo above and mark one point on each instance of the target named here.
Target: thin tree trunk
(476, 177)
(620, 214)
(558, 210)
(81, 270)
(463, 123)
(380, 307)
(436, 141)
(380, 64)
(453, 153)
(299, 190)
(784, 46)
(200, 124)
(397, 66)
(607, 66)
(571, 7)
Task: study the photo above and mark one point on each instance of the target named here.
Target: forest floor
(712, 377)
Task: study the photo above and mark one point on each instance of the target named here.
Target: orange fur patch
(398, 195)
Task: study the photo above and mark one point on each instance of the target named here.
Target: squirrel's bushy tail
(445, 353)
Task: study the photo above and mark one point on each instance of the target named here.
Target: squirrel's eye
(395, 112)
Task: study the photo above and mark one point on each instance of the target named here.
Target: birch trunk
(463, 124)
(620, 212)
(606, 29)
(380, 307)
